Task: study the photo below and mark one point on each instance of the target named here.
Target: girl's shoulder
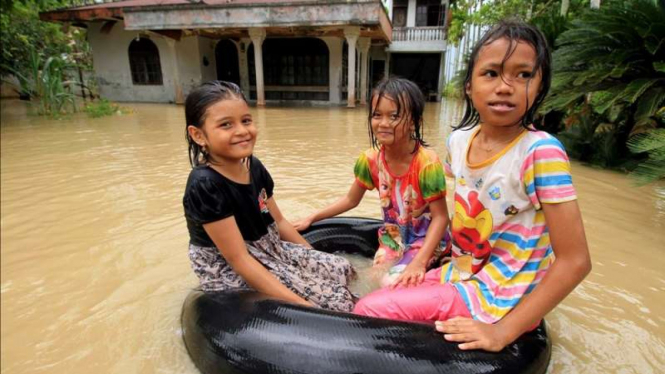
(427, 156)
(535, 140)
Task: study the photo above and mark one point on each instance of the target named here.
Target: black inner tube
(243, 331)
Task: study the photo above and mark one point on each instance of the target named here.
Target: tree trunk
(565, 4)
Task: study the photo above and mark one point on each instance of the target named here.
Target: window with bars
(292, 63)
(430, 13)
(144, 63)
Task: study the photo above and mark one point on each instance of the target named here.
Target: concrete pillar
(411, 14)
(335, 47)
(179, 98)
(351, 34)
(386, 73)
(258, 35)
(243, 65)
(363, 46)
(442, 75)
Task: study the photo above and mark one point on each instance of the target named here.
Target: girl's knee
(370, 305)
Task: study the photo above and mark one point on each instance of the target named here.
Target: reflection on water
(94, 265)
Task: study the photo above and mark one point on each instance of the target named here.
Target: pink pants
(428, 302)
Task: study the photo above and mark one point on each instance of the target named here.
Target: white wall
(111, 65)
(207, 50)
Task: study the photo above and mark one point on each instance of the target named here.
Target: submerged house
(326, 52)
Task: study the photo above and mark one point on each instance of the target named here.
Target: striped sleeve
(546, 173)
(363, 172)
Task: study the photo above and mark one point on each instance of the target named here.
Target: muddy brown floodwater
(94, 265)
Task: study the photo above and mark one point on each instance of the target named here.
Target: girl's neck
(499, 133)
(234, 169)
(399, 152)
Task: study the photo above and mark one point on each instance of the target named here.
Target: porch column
(363, 45)
(258, 35)
(179, 98)
(386, 71)
(351, 34)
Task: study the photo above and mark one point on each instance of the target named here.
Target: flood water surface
(94, 265)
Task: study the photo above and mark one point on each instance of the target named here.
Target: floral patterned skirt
(317, 277)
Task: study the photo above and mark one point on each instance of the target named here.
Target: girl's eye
(393, 117)
(247, 121)
(376, 115)
(490, 73)
(225, 125)
(524, 75)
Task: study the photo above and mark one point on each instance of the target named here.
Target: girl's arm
(572, 263)
(346, 203)
(227, 237)
(286, 230)
(414, 273)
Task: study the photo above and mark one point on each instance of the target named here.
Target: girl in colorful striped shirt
(515, 207)
(410, 181)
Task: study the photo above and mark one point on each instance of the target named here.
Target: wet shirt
(210, 197)
(500, 242)
(404, 199)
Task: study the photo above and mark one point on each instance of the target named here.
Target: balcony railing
(419, 34)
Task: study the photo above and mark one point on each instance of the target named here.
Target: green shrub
(102, 108)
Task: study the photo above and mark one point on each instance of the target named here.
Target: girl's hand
(302, 224)
(413, 275)
(473, 334)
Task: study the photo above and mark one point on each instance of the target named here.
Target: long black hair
(515, 31)
(197, 103)
(407, 97)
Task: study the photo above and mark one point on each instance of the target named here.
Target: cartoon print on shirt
(471, 228)
(495, 193)
(263, 196)
(511, 210)
(479, 183)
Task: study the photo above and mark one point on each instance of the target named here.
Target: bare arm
(346, 203)
(415, 271)
(286, 230)
(228, 239)
(571, 265)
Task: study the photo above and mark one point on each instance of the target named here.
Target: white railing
(419, 34)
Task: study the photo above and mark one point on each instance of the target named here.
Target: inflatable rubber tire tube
(243, 331)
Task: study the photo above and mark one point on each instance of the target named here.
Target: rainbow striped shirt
(501, 246)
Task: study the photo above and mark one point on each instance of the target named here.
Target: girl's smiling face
(502, 91)
(228, 131)
(389, 125)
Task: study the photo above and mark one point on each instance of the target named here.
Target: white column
(363, 46)
(243, 68)
(179, 98)
(258, 35)
(351, 34)
(411, 14)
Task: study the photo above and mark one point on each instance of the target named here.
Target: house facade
(300, 51)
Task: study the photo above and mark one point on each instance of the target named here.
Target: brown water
(94, 261)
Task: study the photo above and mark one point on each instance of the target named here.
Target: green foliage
(542, 13)
(103, 108)
(652, 143)
(45, 81)
(611, 60)
(21, 30)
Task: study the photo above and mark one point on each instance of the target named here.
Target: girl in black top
(238, 236)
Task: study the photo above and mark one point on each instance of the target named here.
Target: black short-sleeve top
(210, 197)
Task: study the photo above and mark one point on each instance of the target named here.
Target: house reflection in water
(302, 51)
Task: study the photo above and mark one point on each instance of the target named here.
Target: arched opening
(226, 55)
(144, 62)
(293, 69)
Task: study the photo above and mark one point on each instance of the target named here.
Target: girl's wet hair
(408, 97)
(196, 107)
(515, 31)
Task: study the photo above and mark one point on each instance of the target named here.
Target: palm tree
(613, 60)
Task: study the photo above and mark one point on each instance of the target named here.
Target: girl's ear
(196, 134)
(467, 89)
